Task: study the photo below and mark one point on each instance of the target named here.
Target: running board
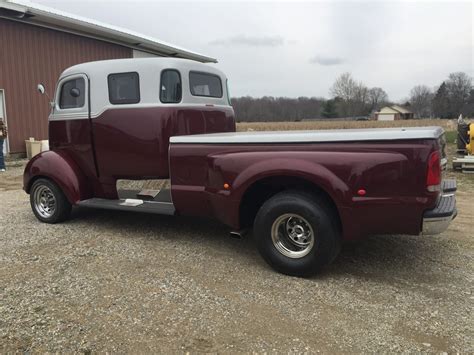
(166, 208)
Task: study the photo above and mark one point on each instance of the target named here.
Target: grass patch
(451, 136)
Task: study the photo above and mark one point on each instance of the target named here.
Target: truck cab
(115, 118)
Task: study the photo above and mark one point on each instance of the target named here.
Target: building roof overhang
(36, 14)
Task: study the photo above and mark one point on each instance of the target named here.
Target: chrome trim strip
(340, 135)
(83, 115)
(152, 105)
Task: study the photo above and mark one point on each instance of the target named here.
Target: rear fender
(244, 169)
(60, 168)
(292, 167)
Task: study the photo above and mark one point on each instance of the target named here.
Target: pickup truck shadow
(153, 226)
(381, 258)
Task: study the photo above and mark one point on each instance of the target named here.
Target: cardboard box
(32, 148)
(44, 145)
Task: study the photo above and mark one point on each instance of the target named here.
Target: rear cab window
(205, 84)
(124, 88)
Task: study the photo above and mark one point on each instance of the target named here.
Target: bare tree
(421, 98)
(344, 87)
(377, 98)
(353, 95)
(361, 100)
(459, 86)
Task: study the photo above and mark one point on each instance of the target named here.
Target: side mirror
(41, 89)
(75, 92)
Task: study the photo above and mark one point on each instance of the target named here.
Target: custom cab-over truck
(303, 192)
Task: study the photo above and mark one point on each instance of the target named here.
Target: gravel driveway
(116, 281)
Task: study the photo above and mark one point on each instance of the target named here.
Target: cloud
(322, 60)
(253, 41)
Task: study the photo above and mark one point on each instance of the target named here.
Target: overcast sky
(299, 48)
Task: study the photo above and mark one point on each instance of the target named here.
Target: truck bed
(212, 173)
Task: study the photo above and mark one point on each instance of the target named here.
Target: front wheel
(48, 202)
(296, 233)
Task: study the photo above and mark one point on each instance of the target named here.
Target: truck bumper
(437, 220)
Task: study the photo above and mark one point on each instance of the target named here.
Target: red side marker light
(361, 192)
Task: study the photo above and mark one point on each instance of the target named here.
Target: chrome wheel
(44, 201)
(292, 235)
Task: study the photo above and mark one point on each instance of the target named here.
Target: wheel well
(32, 181)
(38, 177)
(262, 190)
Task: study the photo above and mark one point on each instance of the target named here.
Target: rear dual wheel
(297, 234)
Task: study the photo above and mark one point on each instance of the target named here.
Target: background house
(37, 43)
(394, 112)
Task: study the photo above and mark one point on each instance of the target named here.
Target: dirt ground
(116, 281)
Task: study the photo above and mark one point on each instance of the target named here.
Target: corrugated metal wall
(30, 55)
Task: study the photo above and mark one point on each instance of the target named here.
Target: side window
(170, 86)
(72, 94)
(124, 88)
(205, 84)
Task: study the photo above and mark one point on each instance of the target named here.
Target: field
(123, 282)
(448, 125)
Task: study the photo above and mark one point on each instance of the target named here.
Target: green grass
(451, 136)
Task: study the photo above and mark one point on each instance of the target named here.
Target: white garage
(395, 112)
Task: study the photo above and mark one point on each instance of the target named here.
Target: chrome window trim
(75, 113)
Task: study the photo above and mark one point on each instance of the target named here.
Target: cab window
(205, 84)
(72, 94)
(170, 86)
(124, 88)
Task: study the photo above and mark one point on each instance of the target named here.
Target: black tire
(313, 212)
(62, 207)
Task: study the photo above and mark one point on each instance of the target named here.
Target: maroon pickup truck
(303, 192)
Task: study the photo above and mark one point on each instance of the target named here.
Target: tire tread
(308, 202)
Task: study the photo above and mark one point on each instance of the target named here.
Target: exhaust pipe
(238, 234)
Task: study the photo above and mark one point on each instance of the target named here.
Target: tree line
(351, 99)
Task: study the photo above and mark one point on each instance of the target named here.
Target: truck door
(69, 122)
(126, 132)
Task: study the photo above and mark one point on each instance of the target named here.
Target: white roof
(35, 14)
(335, 135)
(393, 109)
(149, 71)
(145, 65)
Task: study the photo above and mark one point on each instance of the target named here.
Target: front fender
(61, 169)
